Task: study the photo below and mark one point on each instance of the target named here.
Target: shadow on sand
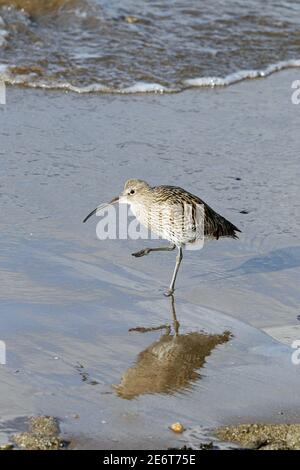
(276, 260)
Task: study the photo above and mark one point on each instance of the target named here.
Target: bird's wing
(182, 214)
(208, 222)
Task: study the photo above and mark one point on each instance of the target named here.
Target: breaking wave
(30, 81)
(241, 75)
(97, 46)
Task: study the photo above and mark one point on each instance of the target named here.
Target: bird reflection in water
(171, 363)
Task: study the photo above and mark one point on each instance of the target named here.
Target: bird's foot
(169, 292)
(143, 252)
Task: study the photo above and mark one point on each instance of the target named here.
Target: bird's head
(134, 191)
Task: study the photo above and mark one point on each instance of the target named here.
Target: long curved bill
(101, 207)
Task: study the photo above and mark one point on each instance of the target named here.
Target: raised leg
(146, 251)
(179, 257)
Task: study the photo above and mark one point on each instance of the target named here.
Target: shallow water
(96, 45)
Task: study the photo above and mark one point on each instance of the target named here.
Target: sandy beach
(68, 299)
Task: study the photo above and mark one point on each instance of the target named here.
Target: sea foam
(31, 81)
(241, 75)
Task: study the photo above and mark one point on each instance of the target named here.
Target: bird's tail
(227, 229)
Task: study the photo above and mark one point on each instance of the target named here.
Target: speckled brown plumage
(215, 225)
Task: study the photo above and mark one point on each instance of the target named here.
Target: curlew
(173, 214)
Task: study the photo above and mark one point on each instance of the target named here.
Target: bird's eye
(132, 191)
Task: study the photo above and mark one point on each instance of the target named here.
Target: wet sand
(69, 300)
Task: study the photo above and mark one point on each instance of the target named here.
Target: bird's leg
(146, 251)
(179, 257)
